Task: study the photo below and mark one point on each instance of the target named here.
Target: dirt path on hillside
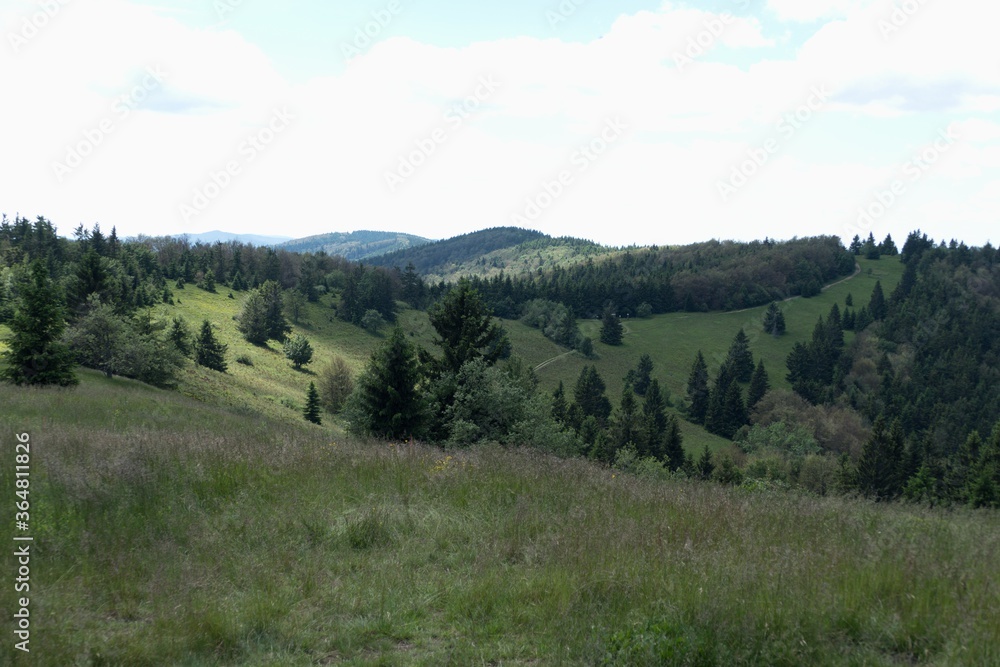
(552, 360)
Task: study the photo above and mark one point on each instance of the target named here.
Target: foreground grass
(170, 532)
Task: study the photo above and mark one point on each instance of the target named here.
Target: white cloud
(326, 170)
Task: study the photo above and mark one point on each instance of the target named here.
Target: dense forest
(703, 277)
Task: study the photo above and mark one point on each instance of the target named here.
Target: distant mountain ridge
(355, 246)
(489, 251)
(226, 237)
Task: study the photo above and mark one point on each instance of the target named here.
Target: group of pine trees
(722, 408)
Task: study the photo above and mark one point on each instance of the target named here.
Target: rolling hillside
(488, 252)
(355, 246)
(169, 531)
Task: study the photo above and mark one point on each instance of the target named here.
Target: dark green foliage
(298, 350)
(295, 304)
(261, 318)
(311, 411)
(367, 289)
(180, 335)
(555, 320)
(208, 351)
(611, 328)
(387, 403)
(560, 409)
(811, 367)
(642, 377)
(740, 359)
(734, 412)
(717, 419)
(466, 329)
(774, 320)
(870, 249)
(984, 473)
(626, 427)
(704, 467)
(888, 247)
(880, 466)
(856, 245)
(645, 309)
(208, 282)
(587, 347)
(701, 277)
(372, 321)
(877, 307)
(697, 390)
(35, 354)
(115, 345)
(759, 386)
(589, 395)
(239, 284)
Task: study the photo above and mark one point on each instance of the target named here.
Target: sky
(628, 123)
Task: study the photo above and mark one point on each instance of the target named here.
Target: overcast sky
(633, 122)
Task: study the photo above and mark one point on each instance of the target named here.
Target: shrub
(335, 384)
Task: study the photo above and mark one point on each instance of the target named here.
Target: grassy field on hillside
(673, 340)
(168, 531)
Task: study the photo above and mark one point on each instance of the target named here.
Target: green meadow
(169, 531)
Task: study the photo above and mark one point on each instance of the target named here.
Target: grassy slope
(673, 340)
(273, 388)
(173, 532)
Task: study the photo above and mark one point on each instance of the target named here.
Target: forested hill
(487, 252)
(717, 275)
(355, 246)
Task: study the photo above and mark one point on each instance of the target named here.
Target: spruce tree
(626, 428)
(759, 386)
(311, 411)
(387, 401)
(298, 350)
(643, 372)
(560, 410)
(208, 351)
(877, 307)
(878, 473)
(467, 329)
(673, 445)
(740, 359)
(654, 419)
(35, 354)
(734, 415)
(774, 320)
(611, 328)
(180, 336)
(589, 395)
(705, 467)
(697, 390)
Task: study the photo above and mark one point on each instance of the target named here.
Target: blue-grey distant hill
(226, 237)
(355, 246)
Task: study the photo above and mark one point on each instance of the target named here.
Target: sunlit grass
(173, 532)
